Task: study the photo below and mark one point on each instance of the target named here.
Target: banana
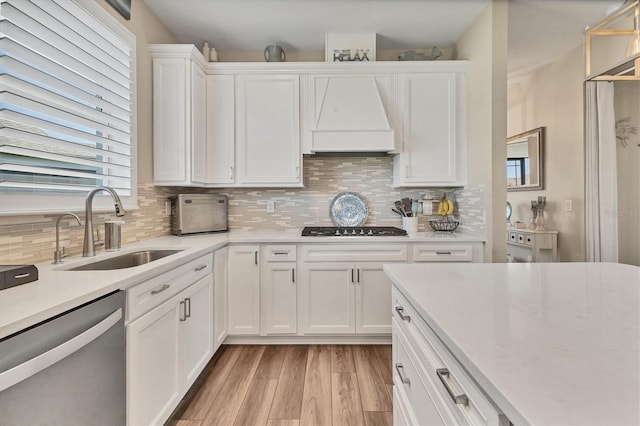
(450, 207)
(443, 207)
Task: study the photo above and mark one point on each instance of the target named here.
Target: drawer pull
(183, 311)
(21, 276)
(458, 399)
(400, 311)
(161, 289)
(443, 252)
(400, 370)
(280, 253)
(187, 307)
(200, 267)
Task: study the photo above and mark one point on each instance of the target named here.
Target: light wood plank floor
(292, 385)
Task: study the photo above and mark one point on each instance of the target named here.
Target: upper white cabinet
(220, 154)
(268, 130)
(433, 108)
(349, 113)
(179, 116)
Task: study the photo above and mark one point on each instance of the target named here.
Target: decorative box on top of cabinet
(541, 246)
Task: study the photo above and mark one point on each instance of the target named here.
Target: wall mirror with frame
(525, 161)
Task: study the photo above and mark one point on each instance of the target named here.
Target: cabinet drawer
(150, 294)
(442, 253)
(280, 253)
(354, 253)
(421, 403)
(441, 373)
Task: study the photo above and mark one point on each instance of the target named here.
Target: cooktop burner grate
(352, 231)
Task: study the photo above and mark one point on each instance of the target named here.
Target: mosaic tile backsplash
(324, 178)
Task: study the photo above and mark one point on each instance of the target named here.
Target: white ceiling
(540, 31)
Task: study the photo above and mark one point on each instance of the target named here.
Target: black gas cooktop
(352, 231)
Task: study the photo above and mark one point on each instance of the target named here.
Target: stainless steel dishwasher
(67, 370)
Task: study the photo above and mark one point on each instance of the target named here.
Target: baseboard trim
(308, 340)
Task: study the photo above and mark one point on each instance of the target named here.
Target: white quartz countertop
(58, 290)
(551, 344)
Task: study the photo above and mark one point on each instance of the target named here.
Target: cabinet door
(430, 130)
(327, 292)
(220, 129)
(243, 289)
(279, 301)
(171, 148)
(373, 299)
(153, 369)
(196, 334)
(268, 130)
(220, 268)
(198, 125)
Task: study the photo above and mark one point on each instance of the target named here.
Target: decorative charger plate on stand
(349, 209)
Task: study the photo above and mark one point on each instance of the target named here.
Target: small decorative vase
(534, 215)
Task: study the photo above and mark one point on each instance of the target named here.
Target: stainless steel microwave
(194, 213)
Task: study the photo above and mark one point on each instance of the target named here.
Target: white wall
(485, 45)
(627, 104)
(553, 97)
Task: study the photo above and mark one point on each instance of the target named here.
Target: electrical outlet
(271, 206)
(167, 208)
(568, 205)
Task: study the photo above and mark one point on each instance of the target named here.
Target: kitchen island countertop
(550, 344)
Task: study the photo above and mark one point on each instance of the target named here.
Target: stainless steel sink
(128, 260)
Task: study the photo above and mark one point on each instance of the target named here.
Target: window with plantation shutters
(67, 105)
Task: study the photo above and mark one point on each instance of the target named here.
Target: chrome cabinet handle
(400, 370)
(358, 275)
(443, 252)
(200, 267)
(230, 172)
(400, 311)
(280, 253)
(293, 275)
(458, 399)
(161, 289)
(21, 275)
(187, 313)
(352, 275)
(255, 257)
(183, 311)
(406, 171)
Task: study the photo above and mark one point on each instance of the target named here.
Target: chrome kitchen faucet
(89, 248)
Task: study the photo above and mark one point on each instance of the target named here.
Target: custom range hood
(351, 113)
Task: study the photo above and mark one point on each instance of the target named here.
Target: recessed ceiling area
(540, 31)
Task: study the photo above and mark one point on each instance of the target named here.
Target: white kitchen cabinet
(179, 116)
(531, 245)
(153, 365)
(243, 290)
(268, 131)
(433, 109)
(169, 339)
(221, 276)
(432, 386)
(196, 333)
(327, 298)
(279, 298)
(220, 155)
(343, 289)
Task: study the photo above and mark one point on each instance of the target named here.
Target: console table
(542, 246)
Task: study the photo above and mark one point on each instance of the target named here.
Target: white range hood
(351, 114)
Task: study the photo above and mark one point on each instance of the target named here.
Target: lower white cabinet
(220, 278)
(345, 298)
(243, 290)
(430, 385)
(169, 338)
(279, 298)
(167, 348)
